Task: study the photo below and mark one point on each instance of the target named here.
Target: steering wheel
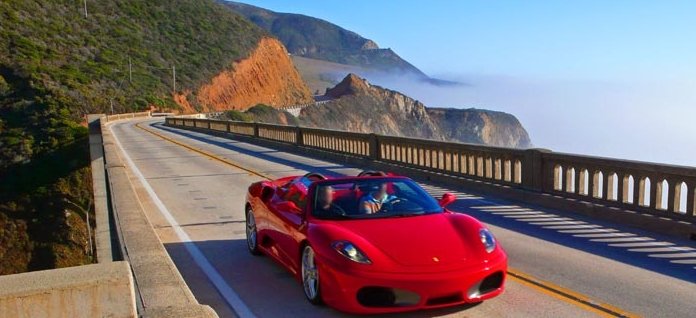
(314, 175)
(389, 204)
(340, 210)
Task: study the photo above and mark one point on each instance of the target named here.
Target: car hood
(425, 240)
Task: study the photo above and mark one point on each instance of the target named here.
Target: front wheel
(251, 233)
(310, 276)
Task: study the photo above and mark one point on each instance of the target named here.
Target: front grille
(374, 296)
(449, 299)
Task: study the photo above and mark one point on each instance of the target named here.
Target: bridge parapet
(160, 290)
(97, 290)
(108, 118)
(599, 185)
(660, 189)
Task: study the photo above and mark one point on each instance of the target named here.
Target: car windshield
(372, 198)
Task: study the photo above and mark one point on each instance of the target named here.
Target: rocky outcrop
(267, 77)
(369, 45)
(480, 126)
(361, 107)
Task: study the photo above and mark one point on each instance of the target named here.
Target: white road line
(230, 296)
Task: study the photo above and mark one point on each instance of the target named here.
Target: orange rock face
(180, 99)
(267, 76)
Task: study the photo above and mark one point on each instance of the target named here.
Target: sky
(609, 78)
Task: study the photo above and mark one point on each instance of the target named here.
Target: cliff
(361, 107)
(267, 76)
(480, 126)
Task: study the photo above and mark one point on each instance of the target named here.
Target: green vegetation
(56, 65)
(237, 116)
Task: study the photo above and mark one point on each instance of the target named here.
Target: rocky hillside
(480, 126)
(266, 76)
(361, 107)
(58, 63)
(318, 39)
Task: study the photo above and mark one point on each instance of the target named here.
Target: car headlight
(487, 239)
(350, 251)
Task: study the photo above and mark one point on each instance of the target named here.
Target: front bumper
(372, 292)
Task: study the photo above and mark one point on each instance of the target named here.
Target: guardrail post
(208, 121)
(533, 172)
(299, 139)
(690, 199)
(374, 147)
(256, 129)
(653, 192)
(620, 187)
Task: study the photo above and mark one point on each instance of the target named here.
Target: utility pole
(111, 100)
(174, 78)
(85, 1)
(130, 70)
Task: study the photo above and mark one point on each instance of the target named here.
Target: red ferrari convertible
(374, 243)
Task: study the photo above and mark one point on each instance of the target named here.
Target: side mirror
(447, 199)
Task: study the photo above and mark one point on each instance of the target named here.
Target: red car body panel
(438, 257)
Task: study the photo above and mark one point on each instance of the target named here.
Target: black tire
(252, 236)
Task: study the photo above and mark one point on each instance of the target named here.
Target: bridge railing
(108, 118)
(662, 190)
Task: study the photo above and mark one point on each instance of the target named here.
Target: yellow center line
(567, 295)
(558, 292)
(207, 154)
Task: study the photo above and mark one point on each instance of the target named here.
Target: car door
(285, 219)
(260, 206)
(290, 217)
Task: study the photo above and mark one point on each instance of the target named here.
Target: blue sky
(546, 39)
(612, 78)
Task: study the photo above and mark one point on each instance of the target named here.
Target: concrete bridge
(295, 110)
(586, 236)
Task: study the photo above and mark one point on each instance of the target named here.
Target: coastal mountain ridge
(317, 39)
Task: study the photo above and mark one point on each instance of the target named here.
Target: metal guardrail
(662, 190)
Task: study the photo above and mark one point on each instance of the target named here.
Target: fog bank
(649, 120)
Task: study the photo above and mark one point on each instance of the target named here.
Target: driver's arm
(366, 207)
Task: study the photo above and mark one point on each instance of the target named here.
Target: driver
(372, 202)
(325, 205)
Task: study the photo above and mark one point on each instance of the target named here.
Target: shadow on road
(262, 153)
(264, 286)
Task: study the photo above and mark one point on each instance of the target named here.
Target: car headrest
(372, 173)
